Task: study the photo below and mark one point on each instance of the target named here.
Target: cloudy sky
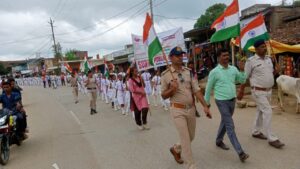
(98, 26)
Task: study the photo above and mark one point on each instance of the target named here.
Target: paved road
(64, 136)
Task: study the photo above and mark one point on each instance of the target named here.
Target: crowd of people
(50, 80)
(128, 92)
(177, 90)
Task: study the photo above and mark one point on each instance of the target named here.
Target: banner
(169, 39)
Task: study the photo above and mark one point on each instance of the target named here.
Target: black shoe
(277, 144)
(243, 157)
(95, 111)
(92, 111)
(222, 145)
(197, 114)
(259, 136)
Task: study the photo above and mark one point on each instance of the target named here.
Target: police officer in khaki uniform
(260, 71)
(178, 85)
(74, 85)
(91, 86)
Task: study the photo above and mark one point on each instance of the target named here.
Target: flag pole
(166, 60)
(232, 53)
(272, 52)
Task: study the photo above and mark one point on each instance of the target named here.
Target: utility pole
(51, 24)
(283, 2)
(151, 11)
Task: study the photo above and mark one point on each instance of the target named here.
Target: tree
(297, 3)
(211, 14)
(70, 55)
(57, 52)
(3, 70)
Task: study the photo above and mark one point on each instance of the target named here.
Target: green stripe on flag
(106, 72)
(153, 49)
(251, 41)
(86, 67)
(225, 34)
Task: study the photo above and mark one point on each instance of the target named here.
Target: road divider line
(75, 117)
(55, 166)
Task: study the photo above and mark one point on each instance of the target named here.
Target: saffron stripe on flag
(259, 20)
(230, 10)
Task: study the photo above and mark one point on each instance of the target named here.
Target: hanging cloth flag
(106, 71)
(151, 40)
(228, 24)
(253, 31)
(68, 68)
(86, 65)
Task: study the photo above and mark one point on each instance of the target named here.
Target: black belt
(232, 99)
(260, 88)
(91, 88)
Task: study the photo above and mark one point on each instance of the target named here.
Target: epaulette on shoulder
(164, 72)
(250, 58)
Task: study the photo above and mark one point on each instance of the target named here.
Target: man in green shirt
(222, 79)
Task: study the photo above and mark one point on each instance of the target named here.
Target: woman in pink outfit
(139, 102)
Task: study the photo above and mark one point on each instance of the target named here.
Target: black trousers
(63, 83)
(141, 116)
(21, 122)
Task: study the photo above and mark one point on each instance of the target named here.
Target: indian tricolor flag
(228, 24)
(68, 68)
(253, 31)
(151, 40)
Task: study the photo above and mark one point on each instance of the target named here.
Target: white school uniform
(120, 87)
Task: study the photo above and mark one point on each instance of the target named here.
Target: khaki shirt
(73, 81)
(260, 71)
(184, 93)
(92, 83)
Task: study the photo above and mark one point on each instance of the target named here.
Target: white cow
(288, 85)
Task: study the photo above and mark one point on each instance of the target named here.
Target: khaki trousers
(263, 118)
(75, 93)
(93, 98)
(185, 122)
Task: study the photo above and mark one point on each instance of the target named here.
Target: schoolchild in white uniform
(147, 79)
(121, 87)
(157, 91)
(112, 91)
(127, 95)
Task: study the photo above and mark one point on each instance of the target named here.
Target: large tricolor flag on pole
(151, 40)
(253, 31)
(228, 24)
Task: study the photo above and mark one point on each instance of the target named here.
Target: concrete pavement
(64, 135)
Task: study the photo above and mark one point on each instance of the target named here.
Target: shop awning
(278, 47)
(119, 61)
(23, 72)
(49, 69)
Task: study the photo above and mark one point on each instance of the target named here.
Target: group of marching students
(11, 99)
(129, 92)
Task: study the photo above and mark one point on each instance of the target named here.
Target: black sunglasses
(180, 77)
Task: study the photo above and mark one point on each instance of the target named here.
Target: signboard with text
(169, 39)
